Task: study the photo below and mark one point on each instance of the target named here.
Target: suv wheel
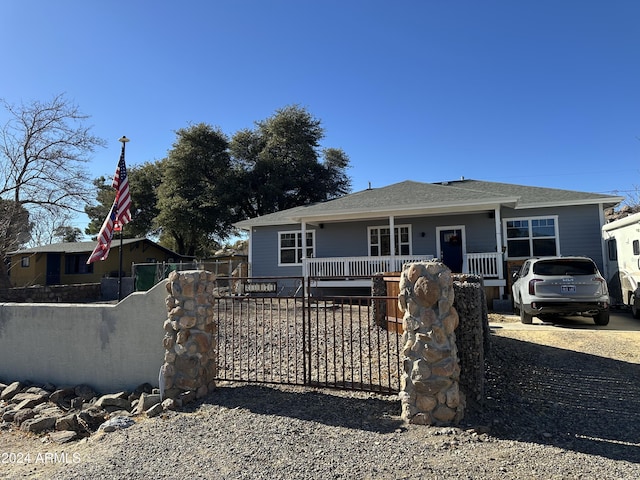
(602, 318)
(525, 317)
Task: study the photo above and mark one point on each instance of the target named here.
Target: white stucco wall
(109, 347)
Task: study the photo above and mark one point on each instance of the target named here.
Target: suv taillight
(603, 284)
(532, 285)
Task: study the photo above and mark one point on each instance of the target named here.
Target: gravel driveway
(561, 403)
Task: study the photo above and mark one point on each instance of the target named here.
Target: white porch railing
(487, 265)
(357, 266)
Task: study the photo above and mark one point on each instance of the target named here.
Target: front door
(53, 269)
(451, 248)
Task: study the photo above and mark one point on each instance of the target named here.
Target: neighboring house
(65, 263)
(485, 228)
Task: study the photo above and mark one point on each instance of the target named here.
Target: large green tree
(194, 196)
(191, 198)
(68, 234)
(280, 164)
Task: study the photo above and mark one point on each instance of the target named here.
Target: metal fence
(146, 275)
(271, 331)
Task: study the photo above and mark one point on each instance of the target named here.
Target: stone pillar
(429, 389)
(190, 363)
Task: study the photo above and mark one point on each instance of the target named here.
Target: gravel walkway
(561, 404)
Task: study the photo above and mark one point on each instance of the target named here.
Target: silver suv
(549, 286)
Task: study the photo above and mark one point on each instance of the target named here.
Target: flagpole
(120, 268)
(124, 141)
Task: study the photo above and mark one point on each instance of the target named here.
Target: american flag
(123, 198)
(104, 237)
(119, 215)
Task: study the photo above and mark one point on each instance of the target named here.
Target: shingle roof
(82, 247)
(538, 196)
(410, 196)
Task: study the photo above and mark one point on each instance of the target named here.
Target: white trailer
(622, 259)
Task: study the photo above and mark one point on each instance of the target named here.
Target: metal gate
(271, 331)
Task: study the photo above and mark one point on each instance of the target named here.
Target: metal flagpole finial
(123, 139)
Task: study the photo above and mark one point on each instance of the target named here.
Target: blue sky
(540, 92)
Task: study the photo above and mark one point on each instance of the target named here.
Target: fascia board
(570, 203)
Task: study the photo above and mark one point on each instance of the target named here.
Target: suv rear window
(564, 267)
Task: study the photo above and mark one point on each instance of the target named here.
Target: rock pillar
(429, 388)
(190, 363)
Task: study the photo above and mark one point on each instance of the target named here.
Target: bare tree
(43, 231)
(43, 150)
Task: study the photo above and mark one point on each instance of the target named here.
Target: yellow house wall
(36, 272)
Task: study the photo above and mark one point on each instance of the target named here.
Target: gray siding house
(473, 226)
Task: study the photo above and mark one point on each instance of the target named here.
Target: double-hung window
(532, 237)
(380, 240)
(291, 248)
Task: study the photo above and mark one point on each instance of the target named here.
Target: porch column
(392, 243)
(303, 234)
(249, 254)
(498, 220)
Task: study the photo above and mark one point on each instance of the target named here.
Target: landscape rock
(21, 416)
(62, 396)
(64, 436)
(85, 392)
(145, 402)
(170, 404)
(119, 400)
(9, 415)
(10, 390)
(155, 410)
(38, 391)
(92, 418)
(116, 423)
(49, 387)
(38, 424)
(28, 400)
(68, 422)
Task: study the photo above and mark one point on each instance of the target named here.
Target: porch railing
(357, 266)
(487, 265)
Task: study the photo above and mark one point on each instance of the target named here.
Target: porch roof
(411, 198)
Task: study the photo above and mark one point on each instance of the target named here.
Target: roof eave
(606, 202)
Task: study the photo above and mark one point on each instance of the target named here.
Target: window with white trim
(380, 240)
(290, 247)
(532, 237)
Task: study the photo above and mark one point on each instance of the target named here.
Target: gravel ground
(560, 404)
